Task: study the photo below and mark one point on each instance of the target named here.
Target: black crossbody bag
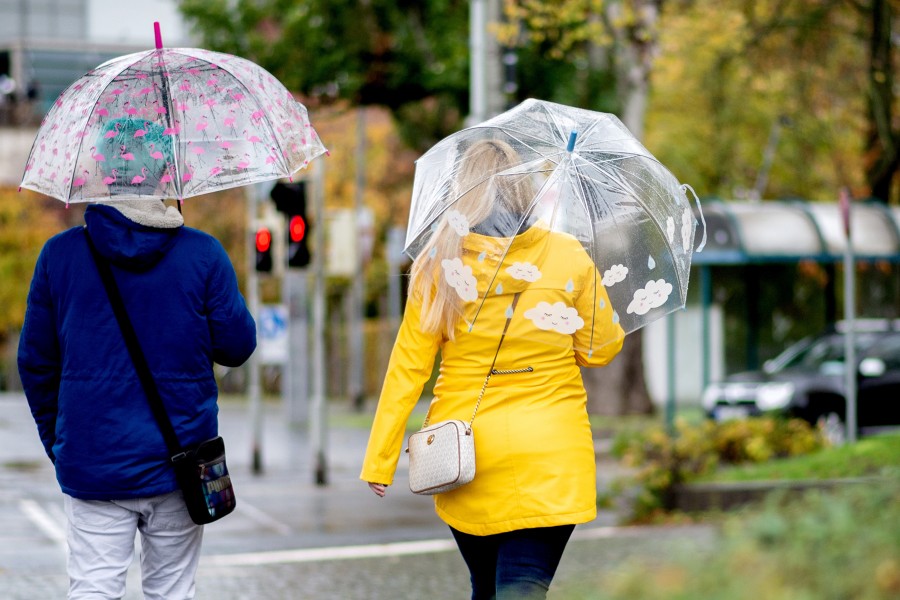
(201, 470)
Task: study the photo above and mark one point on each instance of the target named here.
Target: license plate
(727, 413)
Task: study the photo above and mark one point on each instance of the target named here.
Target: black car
(807, 381)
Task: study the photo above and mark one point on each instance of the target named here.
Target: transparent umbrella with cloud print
(563, 206)
(169, 123)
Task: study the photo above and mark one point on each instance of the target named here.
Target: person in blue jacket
(180, 290)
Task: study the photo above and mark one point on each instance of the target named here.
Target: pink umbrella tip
(158, 35)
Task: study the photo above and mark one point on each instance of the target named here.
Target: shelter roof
(789, 231)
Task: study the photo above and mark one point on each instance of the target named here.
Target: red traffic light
(297, 228)
(263, 239)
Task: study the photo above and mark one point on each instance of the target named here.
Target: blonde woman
(491, 263)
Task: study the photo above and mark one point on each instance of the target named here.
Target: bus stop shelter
(773, 232)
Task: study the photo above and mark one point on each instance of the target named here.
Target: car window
(827, 349)
(888, 350)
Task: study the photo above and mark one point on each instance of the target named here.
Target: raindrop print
(570, 285)
(481, 256)
(602, 303)
(615, 317)
(432, 253)
(509, 312)
(499, 288)
(651, 264)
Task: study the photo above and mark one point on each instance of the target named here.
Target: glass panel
(769, 229)
(873, 233)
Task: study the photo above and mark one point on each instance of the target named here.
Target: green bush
(663, 461)
(822, 546)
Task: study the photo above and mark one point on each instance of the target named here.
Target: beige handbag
(442, 456)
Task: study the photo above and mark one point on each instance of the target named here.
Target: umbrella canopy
(169, 123)
(518, 201)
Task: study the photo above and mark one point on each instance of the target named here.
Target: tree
(408, 56)
(730, 71)
(883, 135)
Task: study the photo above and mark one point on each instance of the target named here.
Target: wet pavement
(292, 539)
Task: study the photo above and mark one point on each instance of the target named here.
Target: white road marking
(254, 559)
(302, 555)
(262, 518)
(44, 521)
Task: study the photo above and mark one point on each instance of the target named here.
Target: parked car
(807, 381)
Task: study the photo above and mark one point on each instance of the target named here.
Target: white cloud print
(687, 220)
(524, 271)
(460, 278)
(458, 222)
(557, 317)
(614, 275)
(652, 295)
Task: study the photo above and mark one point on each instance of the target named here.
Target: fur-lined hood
(133, 234)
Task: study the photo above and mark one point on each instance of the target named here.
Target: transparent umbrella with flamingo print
(169, 123)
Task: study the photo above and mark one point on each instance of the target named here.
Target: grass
(824, 545)
(876, 455)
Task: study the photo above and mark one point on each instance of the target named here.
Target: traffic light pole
(295, 391)
(318, 430)
(254, 392)
(356, 380)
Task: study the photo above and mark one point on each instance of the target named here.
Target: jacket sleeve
(409, 368)
(598, 342)
(39, 357)
(231, 326)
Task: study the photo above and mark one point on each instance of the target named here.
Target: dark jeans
(515, 565)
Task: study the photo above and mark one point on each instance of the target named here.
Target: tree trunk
(883, 139)
(620, 387)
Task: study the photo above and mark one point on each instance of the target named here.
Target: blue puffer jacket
(93, 417)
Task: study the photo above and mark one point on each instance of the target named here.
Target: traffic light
(263, 249)
(290, 199)
(298, 249)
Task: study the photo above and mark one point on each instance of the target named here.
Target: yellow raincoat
(535, 464)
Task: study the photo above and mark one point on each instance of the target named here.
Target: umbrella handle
(685, 188)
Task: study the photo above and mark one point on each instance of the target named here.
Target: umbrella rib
(559, 130)
(637, 198)
(584, 134)
(170, 106)
(280, 153)
(582, 196)
(510, 131)
(115, 73)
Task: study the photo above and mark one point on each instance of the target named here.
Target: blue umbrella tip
(572, 137)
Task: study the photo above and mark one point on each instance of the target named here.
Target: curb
(695, 497)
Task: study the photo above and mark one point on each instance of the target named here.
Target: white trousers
(101, 547)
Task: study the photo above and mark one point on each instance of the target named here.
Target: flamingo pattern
(233, 120)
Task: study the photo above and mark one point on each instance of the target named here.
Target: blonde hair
(475, 193)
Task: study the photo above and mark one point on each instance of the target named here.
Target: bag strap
(492, 370)
(137, 354)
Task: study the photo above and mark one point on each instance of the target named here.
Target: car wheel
(833, 428)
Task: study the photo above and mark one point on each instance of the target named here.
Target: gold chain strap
(492, 370)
